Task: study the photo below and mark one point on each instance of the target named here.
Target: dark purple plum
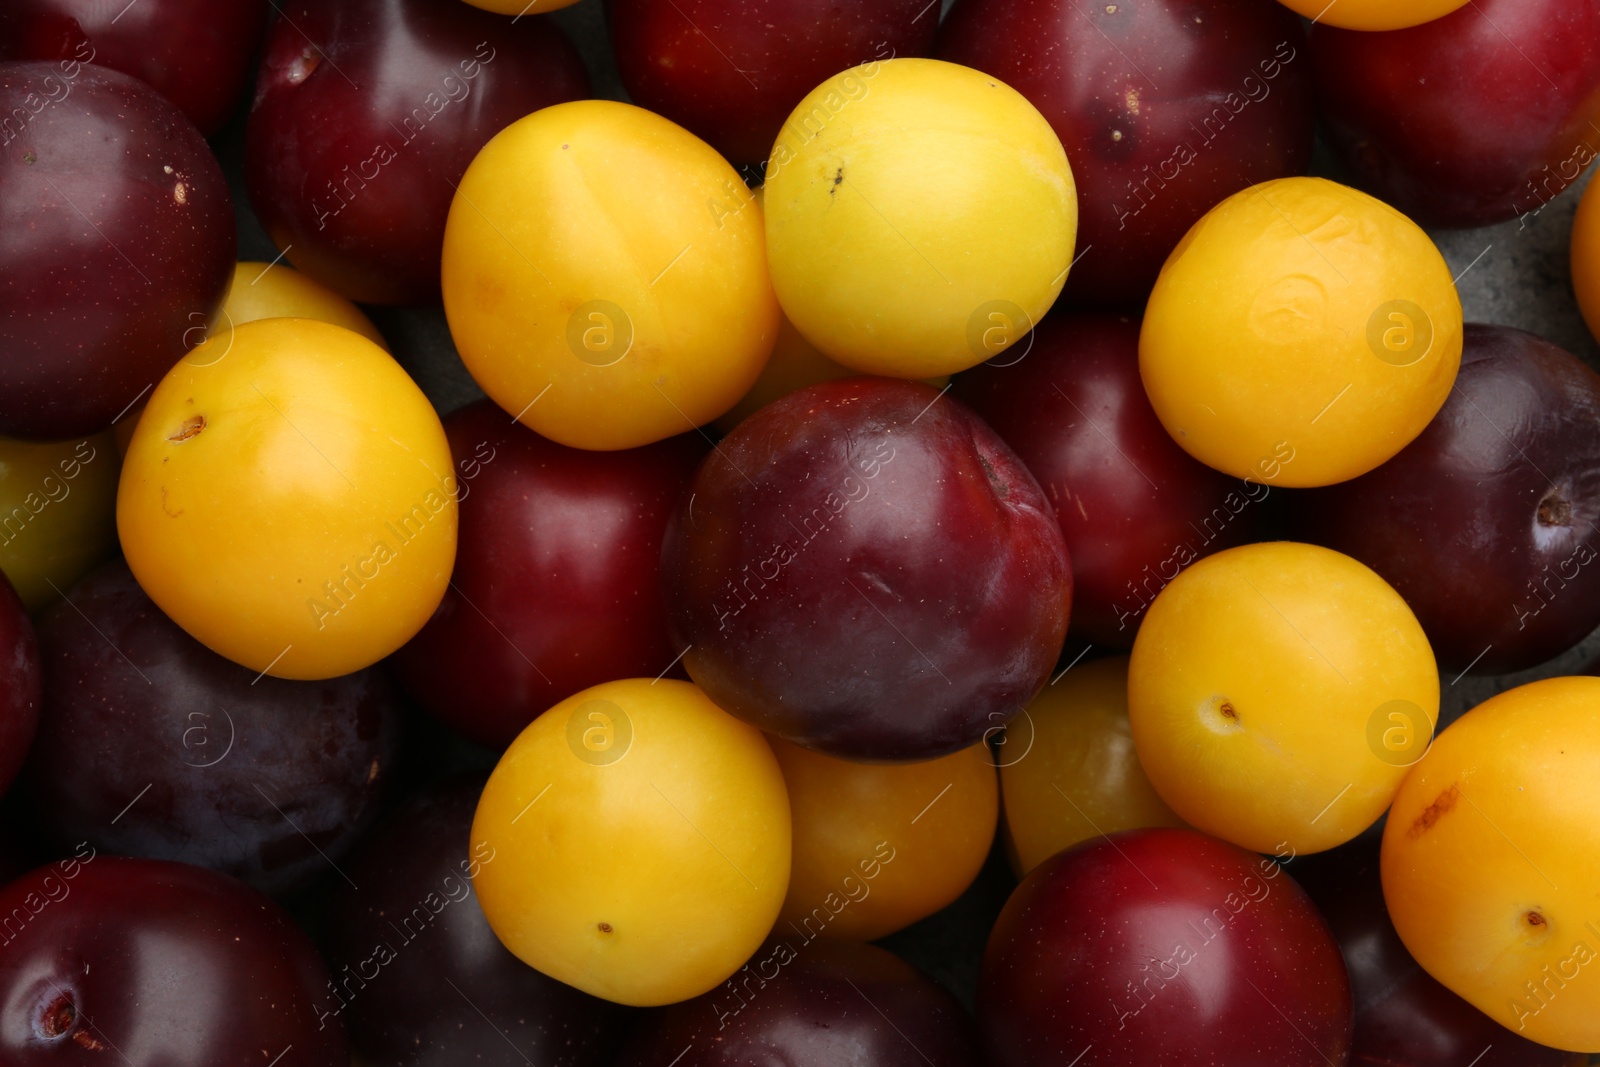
(557, 584)
(150, 744)
(1485, 523)
(196, 53)
(420, 979)
(116, 244)
(1164, 948)
(20, 680)
(1135, 509)
(1485, 114)
(1165, 108)
(864, 568)
(108, 960)
(366, 115)
(812, 1004)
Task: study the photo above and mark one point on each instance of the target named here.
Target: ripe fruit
(1479, 116)
(879, 846)
(812, 1005)
(58, 504)
(869, 258)
(1301, 319)
(1163, 106)
(152, 745)
(273, 291)
(366, 114)
(1586, 258)
(605, 276)
(557, 584)
(1277, 693)
(116, 244)
(1484, 523)
(1165, 947)
(287, 498)
(865, 569)
(1373, 14)
(174, 964)
(1080, 777)
(641, 837)
(1491, 854)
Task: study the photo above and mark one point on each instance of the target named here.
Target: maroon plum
(196, 53)
(20, 680)
(1166, 948)
(366, 115)
(1403, 1017)
(864, 568)
(1135, 509)
(419, 978)
(1165, 108)
(116, 244)
(1485, 114)
(731, 71)
(150, 744)
(822, 1004)
(113, 960)
(557, 584)
(1485, 523)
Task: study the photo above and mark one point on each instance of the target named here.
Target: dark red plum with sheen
(731, 71)
(557, 584)
(1403, 1017)
(864, 568)
(20, 680)
(410, 928)
(152, 745)
(116, 244)
(1166, 948)
(114, 960)
(1135, 509)
(1486, 523)
(812, 1004)
(1483, 115)
(1165, 108)
(367, 113)
(196, 53)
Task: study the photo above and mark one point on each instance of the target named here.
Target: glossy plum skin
(557, 584)
(1403, 1017)
(414, 928)
(812, 1004)
(1165, 108)
(1133, 506)
(355, 144)
(1485, 523)
(251, 777)
(116, 244)
(1512, 87)
(863, 568)
(20, 681)
(196, 53)
(731, 71)
(162, 962)
(1114, 945)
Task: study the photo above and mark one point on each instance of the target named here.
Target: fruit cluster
(1007, 485)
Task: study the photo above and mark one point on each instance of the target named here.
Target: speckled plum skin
(864, 568)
